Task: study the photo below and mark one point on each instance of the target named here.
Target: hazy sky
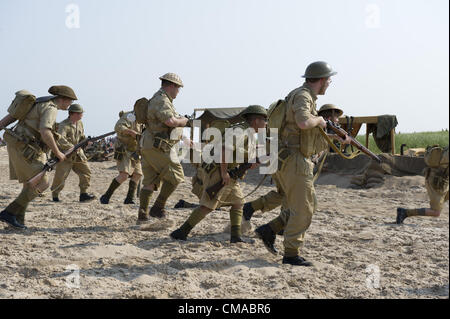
(392, 56)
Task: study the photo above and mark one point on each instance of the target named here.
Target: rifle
(51, 163)
(235, 173)
(342, 133)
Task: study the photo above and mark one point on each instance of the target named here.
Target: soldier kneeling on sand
(436, 183)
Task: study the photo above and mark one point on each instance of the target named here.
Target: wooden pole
(367, 135)
(393, 141)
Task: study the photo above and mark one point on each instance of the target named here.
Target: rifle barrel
(342, 133)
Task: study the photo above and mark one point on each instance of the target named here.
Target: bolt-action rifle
(51, 163)
(342, 133)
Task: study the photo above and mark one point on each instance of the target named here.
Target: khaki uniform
(28, 156)
(231, 194)
(197, 182)
(271, 200)
(295, 174)
(74, 134)
(28, 153)
(436, 183)
(126, 147)
(156, 144)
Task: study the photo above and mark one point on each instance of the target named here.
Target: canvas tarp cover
(232, 114)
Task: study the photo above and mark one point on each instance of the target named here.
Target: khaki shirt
(301, 106)
(160, 109)
(73, 134)
(42, 115)
(123, 124)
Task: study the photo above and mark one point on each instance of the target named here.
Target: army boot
(182, 232)
(296, 261)
(142, 217)
(401, 215)
(131, 191)
(85, 197)
(248, 211)
(104, 199)
(11, 220)
(56, 199)
(268, 237)
(239, 239)
(180, 204)
(158, 212)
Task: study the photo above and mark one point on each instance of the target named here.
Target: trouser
(62, 172)
(296, 181)
(437, 189)
(24, 168)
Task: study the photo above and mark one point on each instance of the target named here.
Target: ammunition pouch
(162, 142)
(29, 147)
(119, 153)
(312, 142)
(209, 168)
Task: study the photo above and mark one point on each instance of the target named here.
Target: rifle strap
(257, 186)
(316, 176)
(350, 129)
(338, 151)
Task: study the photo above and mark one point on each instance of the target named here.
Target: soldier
(436, 184)
(127, 156)
(27, 147)
(273, 199)
(255, 117)
(300, 139)
(157, 165)
(72, 130)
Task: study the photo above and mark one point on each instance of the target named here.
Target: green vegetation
(412, 140)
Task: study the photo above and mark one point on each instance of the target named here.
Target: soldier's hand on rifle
(60, 155)
(321, 122)
(347, 140)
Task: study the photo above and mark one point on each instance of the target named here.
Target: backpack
(436, 156)
(140, 110)
(276, 115)
(21, 105)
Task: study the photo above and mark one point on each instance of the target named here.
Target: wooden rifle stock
(235, 173)
(342, 133)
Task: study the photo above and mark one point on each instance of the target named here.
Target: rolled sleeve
(63, 141)
(121, 125)
(301, 107)
(164, 111)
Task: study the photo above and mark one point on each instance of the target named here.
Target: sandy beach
(357, 249)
